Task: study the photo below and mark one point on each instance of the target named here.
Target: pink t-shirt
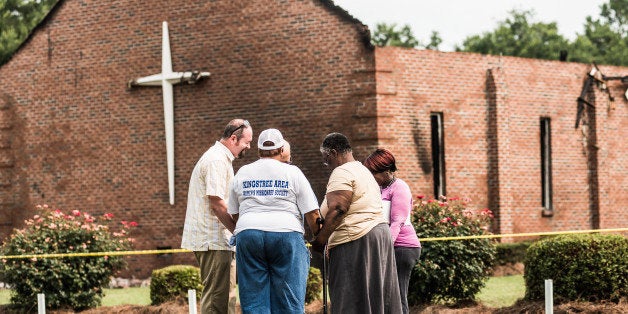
(400, 197)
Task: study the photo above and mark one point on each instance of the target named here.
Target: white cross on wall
(166, 79)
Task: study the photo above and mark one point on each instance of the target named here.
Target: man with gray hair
(208, 225)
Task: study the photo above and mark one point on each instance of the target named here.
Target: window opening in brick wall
(438, 153)
(546, 164)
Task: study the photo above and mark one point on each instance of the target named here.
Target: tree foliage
(17, 19)
(605, 39)
(518, 36)
(389, 35)
(435, 41)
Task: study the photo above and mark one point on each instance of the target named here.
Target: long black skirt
(363, 275)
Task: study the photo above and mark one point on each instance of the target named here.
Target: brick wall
(612, 150)
(73, 136)
(492, 108)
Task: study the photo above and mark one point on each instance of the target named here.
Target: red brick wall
(411, 84)
(492, 108)
(612, 150)
(78, 139)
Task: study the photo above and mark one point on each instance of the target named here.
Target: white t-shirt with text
(270, 195)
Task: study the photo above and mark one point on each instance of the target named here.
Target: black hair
(337, 142)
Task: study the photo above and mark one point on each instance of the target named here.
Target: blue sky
(457, 19)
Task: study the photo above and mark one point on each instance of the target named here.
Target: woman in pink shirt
(397, 196)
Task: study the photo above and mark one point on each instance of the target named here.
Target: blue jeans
(272, 271)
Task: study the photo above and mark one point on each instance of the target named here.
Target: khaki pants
(219, 281)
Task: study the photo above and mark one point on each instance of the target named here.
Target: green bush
(173, 282)
(314, 285)
(67, 282)
(590, 267)
(511, 252)
(453, 270)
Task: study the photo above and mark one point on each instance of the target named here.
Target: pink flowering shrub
(68, 282)
(453, 270)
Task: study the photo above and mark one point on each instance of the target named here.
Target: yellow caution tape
(147, 252)
(492, 236)
(89, 254)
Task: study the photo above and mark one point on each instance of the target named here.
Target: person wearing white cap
(268, 201)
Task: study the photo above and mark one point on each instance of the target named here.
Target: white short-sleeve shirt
(211, 176)
(270, 195)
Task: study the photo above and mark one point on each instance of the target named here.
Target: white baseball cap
(272, 138)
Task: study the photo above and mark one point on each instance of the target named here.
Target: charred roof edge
(363, 30)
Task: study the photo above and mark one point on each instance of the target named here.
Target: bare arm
(311, 219)
(219, 208)
(338, 203)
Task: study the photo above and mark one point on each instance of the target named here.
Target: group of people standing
(362, 226)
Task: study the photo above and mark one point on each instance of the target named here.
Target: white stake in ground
(192, 301)
(549, 297)
(41, 303)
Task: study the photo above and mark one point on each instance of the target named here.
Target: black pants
(406, 258)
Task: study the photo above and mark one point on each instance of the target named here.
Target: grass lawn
(134, 295)
(499, 292)
(502, 291)
(4, 296)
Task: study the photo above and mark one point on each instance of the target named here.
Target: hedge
(589, 267)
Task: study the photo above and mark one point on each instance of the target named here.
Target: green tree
(518, 36)
(435, 41)
(605, 39)
(17, 19)
(388, 35)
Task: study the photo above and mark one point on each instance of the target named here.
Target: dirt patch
(172, 307)
(441, 309)
(177, 306)
(519, 307)
(570, 307)
(316, 307)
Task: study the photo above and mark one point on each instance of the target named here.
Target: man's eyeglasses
(242, 126)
